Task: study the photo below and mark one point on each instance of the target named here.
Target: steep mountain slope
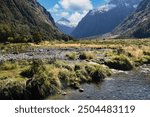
(137, 25)
(105, 18)
(65, 26)
(26, 20)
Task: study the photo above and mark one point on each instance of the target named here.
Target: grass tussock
(91, 72)
(36, 79)
(14, 48)
(143, 60)
(44, 78)
(72, 56)
(87, 55)
(120, 62)
(12, 89)
(8, 65)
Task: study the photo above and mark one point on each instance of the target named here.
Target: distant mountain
(26, 21)
(65, 26)
(105, 18)
(137, 25)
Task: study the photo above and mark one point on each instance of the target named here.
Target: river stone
(64, 93)
(81, 89)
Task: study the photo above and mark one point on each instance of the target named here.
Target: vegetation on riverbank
(36, 79)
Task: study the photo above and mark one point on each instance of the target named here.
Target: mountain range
(27, 21)
(137, 25)
(105, 18)
(65, 26)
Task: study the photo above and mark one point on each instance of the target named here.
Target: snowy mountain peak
(124, 2)
(103, 8)
(105, 18)
(113, 4)
(65, 22)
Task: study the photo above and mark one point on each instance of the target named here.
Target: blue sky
(73, 10)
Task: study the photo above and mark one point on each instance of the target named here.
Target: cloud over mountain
(74, 10)
(77, 5)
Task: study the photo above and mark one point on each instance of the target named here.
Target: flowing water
(132, 85)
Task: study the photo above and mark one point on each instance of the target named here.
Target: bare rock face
(137, 25)
(26, 20)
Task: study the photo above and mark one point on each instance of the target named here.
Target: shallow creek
(131, 85)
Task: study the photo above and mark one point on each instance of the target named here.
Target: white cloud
(54, 9)
(56, 6)
(76, 5)
(73, 10)
(65, 14)
(107, 7)
(103, 8)
(76, 17)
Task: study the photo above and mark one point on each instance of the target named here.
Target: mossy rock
(120, 62)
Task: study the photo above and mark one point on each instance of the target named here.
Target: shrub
(120, 62)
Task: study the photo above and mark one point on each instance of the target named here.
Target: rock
(88, 96)
(81, 89)
(64, 93)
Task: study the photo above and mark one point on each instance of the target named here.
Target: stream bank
(129, 85)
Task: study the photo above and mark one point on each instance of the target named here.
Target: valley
(46, 58)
